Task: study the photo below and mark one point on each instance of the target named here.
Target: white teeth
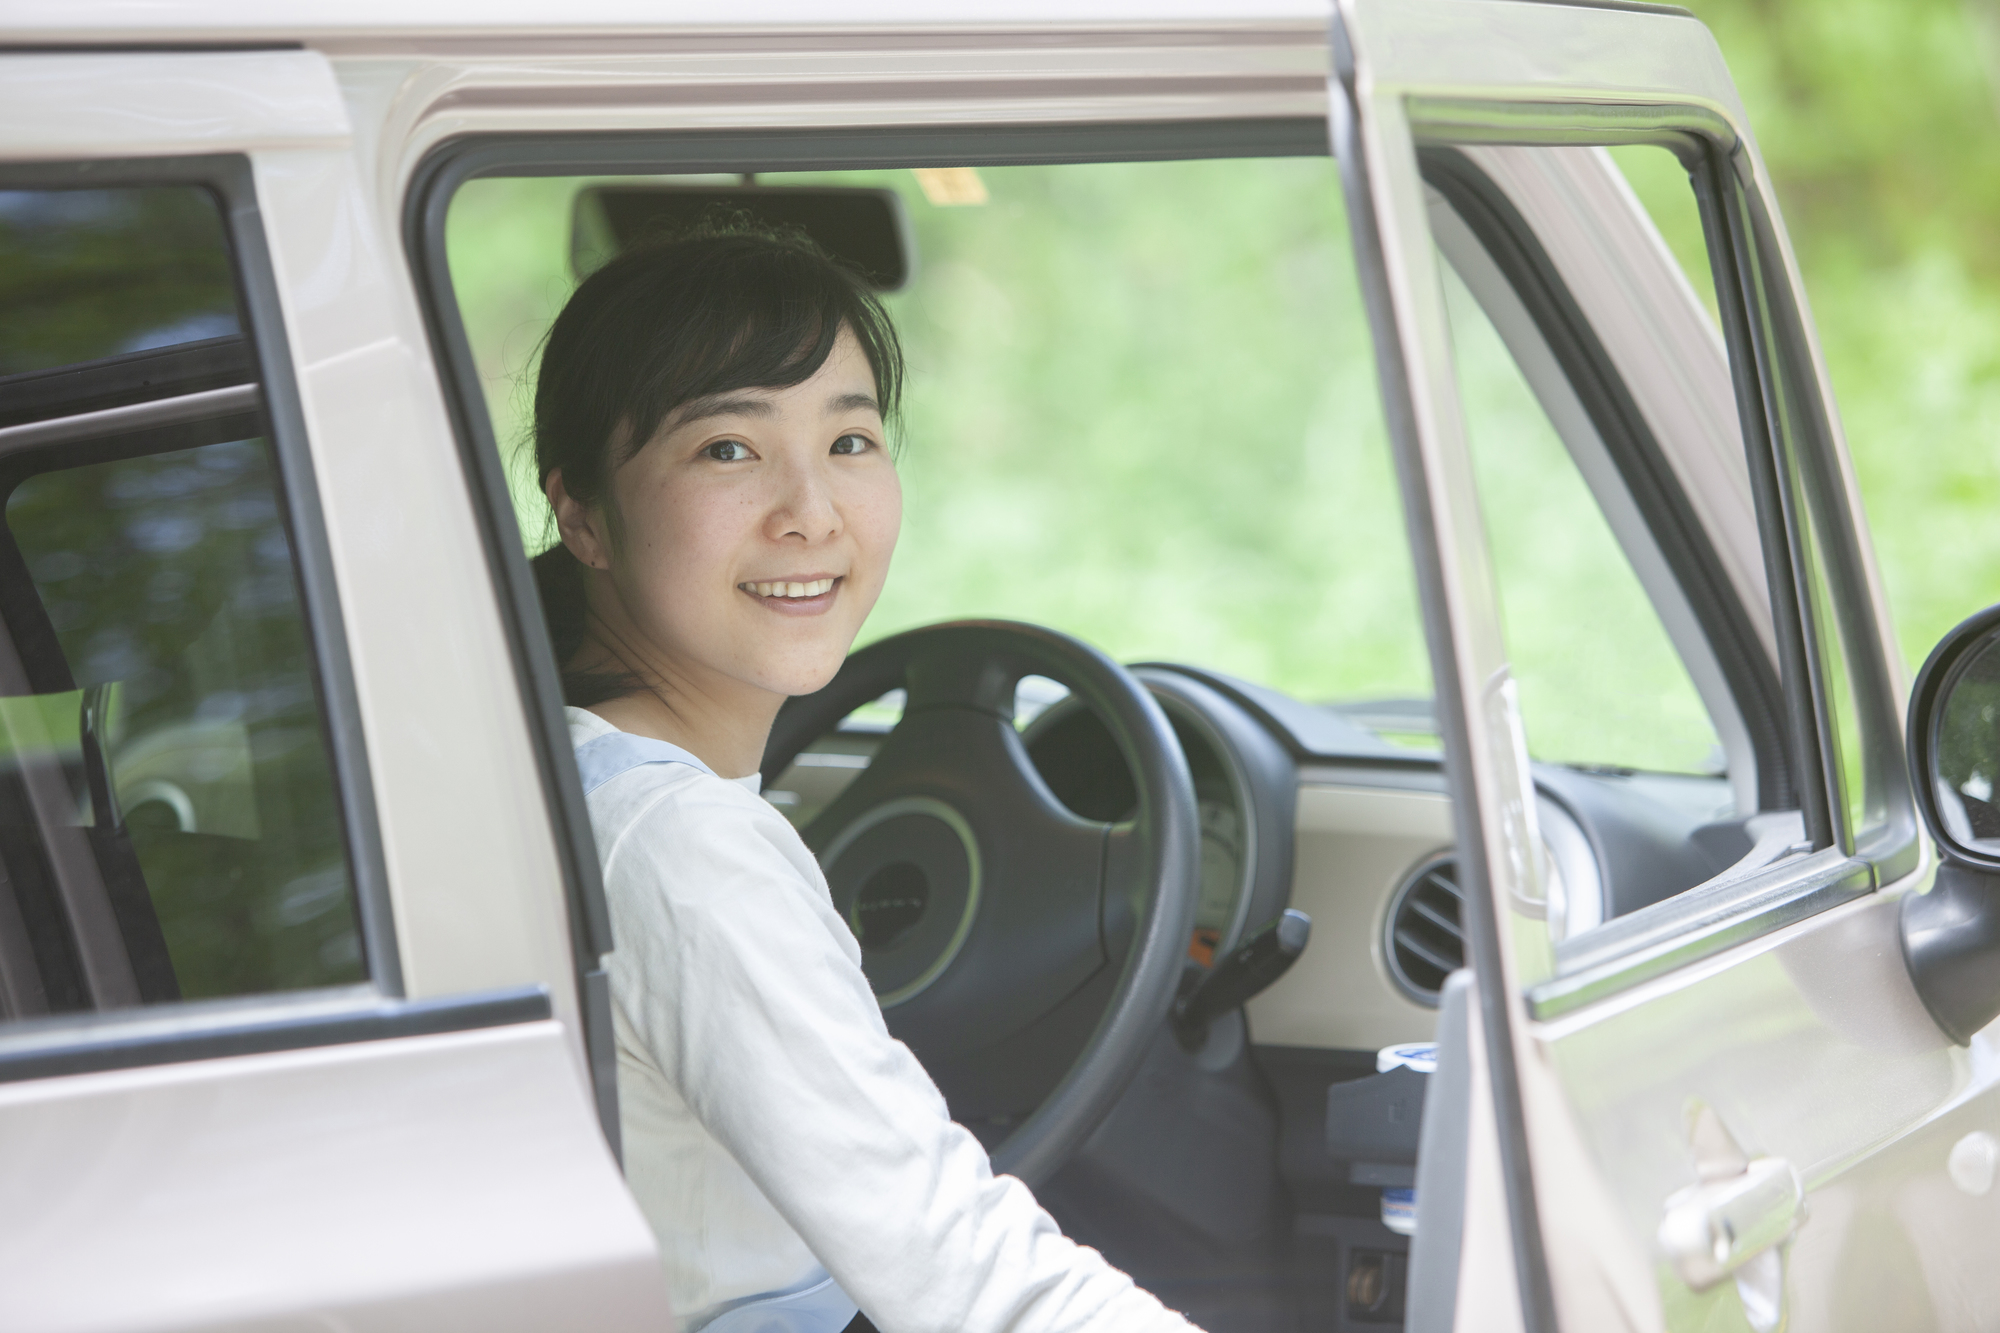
(813, 589)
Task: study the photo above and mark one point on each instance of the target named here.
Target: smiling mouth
(784, 591)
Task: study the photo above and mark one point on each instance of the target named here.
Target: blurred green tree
(1877, 122)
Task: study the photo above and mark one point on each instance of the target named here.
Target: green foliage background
(1877, 121)
(1141, 408)
(1172, 447)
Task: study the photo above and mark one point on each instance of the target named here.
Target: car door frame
(383, 1115)
(1448, 72)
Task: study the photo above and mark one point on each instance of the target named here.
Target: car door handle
(1713, 1228)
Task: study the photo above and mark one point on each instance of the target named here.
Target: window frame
(427, 203)
(1791, 454)
(1811, 483)
(94, 1040)
(1512, 246)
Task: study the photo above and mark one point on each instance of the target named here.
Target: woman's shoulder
(604, 753)
(655, 792)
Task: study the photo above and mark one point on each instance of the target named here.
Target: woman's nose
(804, 506)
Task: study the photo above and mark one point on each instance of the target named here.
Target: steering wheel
(1026, 956)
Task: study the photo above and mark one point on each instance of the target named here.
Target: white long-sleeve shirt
(774, 1132)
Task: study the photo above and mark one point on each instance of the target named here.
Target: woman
(710, 435)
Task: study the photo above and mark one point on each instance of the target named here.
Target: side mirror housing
(1951, 935)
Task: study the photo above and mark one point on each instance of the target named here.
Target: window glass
(1860, 732)
(169, 827)
(1142, 408)
(1862, 807)
(1660, 183)
(1869, 780)
(86, 274)
(1856, 698)
(1601, 682)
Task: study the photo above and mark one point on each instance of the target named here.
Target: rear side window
(169, 821)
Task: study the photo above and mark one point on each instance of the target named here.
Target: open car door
(1719, 1102)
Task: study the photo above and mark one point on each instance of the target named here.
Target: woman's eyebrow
(701, 409)
(854, 402)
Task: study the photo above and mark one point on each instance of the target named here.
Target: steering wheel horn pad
(983, 905)
(905, 876)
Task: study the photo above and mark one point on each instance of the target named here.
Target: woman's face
(753, 532)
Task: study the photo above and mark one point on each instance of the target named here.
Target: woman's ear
(578, 523)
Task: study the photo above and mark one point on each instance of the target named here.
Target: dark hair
(660, 326)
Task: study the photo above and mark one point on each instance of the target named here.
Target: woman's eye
(728, 451)
(853, 444)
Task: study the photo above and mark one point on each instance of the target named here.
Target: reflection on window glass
(1862, 723)
(167, 582)
(1860, 808)
(1857, 700)
(1966, 764)
(1141, 408)
(169, 823)
(1661, 184)
(88, 274)
(1601, 683)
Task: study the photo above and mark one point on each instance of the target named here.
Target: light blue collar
(816, 1306)
(604, 758)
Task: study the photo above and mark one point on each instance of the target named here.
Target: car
(1500, 888)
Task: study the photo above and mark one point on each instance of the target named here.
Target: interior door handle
(1714, 1228)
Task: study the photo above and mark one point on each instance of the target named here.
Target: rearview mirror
(1951, 935)
(866, 229)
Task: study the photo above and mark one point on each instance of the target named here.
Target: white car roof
(392, 23)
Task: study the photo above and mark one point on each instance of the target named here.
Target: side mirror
(1951, 935)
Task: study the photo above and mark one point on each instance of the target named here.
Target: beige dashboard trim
(1355, 844)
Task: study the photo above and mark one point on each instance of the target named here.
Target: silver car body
(376, 1183)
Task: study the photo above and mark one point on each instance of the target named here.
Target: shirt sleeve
(745, 987)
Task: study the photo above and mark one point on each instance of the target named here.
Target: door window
(1860, 731)
(169, 823)
(1602, 685)
(1142, 410)
(1641, 710)
(1867, 795)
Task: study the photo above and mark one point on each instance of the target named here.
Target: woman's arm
(745, 986)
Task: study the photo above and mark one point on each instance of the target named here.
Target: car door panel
(351, 1127)
(360, 1185)
(1779, 1001)
(1485, 765)
(466, 829)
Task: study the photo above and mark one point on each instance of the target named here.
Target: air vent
(1425, 939)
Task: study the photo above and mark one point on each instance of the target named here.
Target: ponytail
(565, 608)
(559, 581)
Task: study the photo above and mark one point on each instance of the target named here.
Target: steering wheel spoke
(1125, 893)
(976, 897)
(982, 905)
(938, 676)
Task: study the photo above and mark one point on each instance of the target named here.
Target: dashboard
(1243, 785)
(1278, 831)
(1309, 807)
